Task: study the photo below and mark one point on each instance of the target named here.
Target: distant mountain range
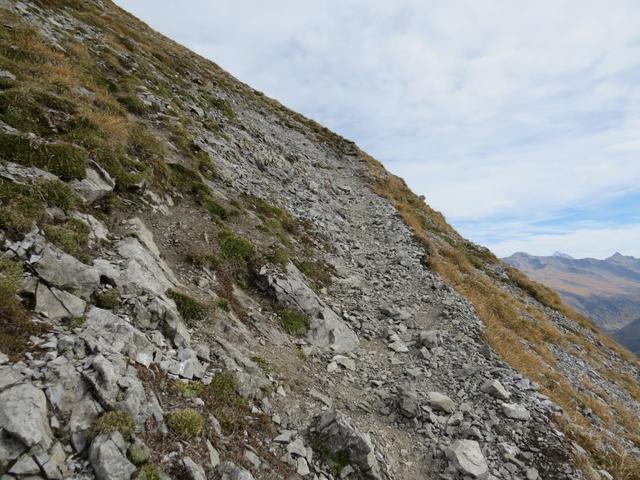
(607, 290)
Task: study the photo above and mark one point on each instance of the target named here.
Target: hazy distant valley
(607, 290)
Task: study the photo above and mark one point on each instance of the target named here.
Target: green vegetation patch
(148, 472)
(27, 109)
(188, 181)
(108, 299)
(294, 322)
(20, 207)
(234, 248)
(114, 421)
(186, 422)
(58, 194)
(62, 159)
(70, 236)
(192, 310)
(15, 321)
(139, 453)
(215, 209)
(262, 363)
(222, 398)
(189, 389)
(318, 271)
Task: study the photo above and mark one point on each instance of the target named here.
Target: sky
(518, 120)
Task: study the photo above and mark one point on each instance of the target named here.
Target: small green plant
(318, 271)
(279, 256)
(223, 304)
(236, 249)
(114, 421)
(189, 389)
(262, 363)
(20, 208)
(15, 322)
(139, 453)
(201, 256)
(148, 471)
(186, 422)
(69, 236)
(75, 322)
(62, 159)
(108, 299)
(191, 309)
(215, 209)
(221, 397)
(58, 194)
(188, 181)
(223, 386)
(132, 102)
(294, 322)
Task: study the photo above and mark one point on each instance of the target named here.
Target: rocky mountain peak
(196, 282)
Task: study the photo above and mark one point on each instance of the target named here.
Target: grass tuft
(113, 421)
(186, 422)
(108, 299)
(62, 159)
(192, 310)
(294, 322)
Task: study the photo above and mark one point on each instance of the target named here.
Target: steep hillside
(607, 291)
(196, 282)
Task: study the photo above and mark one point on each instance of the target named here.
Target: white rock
(23, 414)
(495, 389)
(441, 402)
(515, 411)
(302, 467)
(297, 448)
(96, 184)
(467, 458)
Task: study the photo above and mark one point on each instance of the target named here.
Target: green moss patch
(15, 321)
(192, 310)
(114, 421)
(294, 322)
(235, 248)
(186, 422)
(108, 299)
(70, 236)
(62, 159)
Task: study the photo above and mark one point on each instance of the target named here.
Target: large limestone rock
(108, 458)
(441, 402)
(144, 271)
(337, 433)
(62, 270)
(23, 415)
(96, 184)
(229, 471)
(515, 411)
(56, 304)
(106, 332)
(327, 330)
(495, 389)
(467, 458)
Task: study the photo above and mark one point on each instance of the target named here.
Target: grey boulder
(467, 458)
(337, 433)
(108, 457)
(23, 415)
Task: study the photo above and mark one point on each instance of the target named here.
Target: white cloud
(498, 111)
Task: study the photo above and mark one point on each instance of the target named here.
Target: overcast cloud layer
(519, 120)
